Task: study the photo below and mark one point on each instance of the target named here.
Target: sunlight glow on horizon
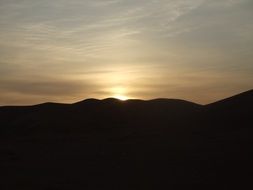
(65, 51)
(121, 97)
(119, 93)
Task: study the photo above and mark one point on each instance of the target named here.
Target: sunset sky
(66, 51)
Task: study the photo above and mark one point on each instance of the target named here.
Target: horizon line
(126, 100)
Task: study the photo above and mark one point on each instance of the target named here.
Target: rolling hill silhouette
(133, 144)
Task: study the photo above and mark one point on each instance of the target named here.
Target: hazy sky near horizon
(65, 51)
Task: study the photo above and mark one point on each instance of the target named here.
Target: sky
(67, 51)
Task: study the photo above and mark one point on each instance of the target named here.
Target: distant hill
(235, 110)
(133, 144)
(94, 112)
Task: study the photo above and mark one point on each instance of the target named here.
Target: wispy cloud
(68, 41)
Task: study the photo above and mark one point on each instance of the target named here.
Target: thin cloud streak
(104, 44)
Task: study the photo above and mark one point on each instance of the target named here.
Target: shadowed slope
(235, 110)
(133, 144)
(105, 112)
(237, 101)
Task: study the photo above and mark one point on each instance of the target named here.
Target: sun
(121, 97)
(119, 92)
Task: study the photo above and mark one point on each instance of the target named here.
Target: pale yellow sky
(66, 51)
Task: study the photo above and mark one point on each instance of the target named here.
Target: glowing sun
(121, 97)
(119, 93)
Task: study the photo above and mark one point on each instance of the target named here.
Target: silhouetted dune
(235, 110)
(133, 144)
(243, 99)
